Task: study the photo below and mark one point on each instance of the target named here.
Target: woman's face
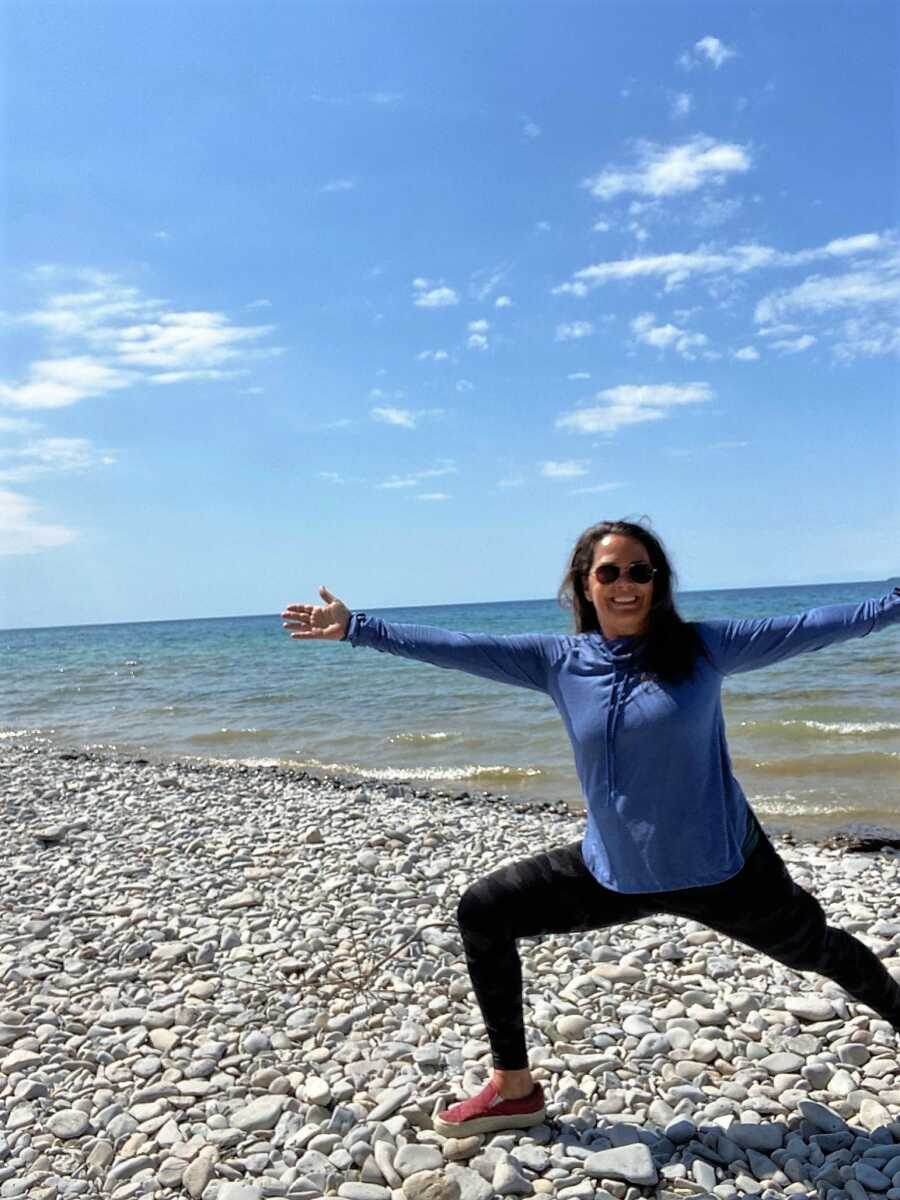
(622, 607)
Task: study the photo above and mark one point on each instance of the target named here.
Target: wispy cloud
(595, 487)
(573, 330)
(672, 170)
(795, 345)
(708, 50)
(444, 466)
(49, 455)
(662, 337)
(633, 404)
(106, 336)
(484, 282)
(747, 354)
(680, 104)
(531, 130)
(569, 469)
(503, 302)
(678, 267)
(433, 356)
(340, 185)
(433, 496)
(21, 532)
(428, 296)
(394, 416)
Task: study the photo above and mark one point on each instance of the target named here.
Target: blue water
(815, 741)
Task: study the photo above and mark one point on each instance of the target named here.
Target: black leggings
(554, 892)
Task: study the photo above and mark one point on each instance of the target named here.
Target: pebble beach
(231, 982)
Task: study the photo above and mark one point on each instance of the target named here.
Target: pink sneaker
(488, 1111)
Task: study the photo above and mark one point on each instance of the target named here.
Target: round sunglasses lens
(607, 573)
(641, 573)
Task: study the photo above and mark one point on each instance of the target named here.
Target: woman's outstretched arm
(744, 645)
(522, 660)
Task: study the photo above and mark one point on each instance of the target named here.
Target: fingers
(326, 595)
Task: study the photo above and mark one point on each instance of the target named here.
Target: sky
(400, 297)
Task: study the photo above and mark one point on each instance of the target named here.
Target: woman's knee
(475, 906)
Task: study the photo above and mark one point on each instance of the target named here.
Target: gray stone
(259, 1114)
(822, 1117)
(509, 1181)
(364, 1191)
(757, 1137)
(633, 1164)
(472, 1186)
(871, 1178)
(430, 1185)
(238, 1191)
(69, 1123)
(413, 1158)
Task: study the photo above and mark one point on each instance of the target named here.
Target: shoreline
(848, 835)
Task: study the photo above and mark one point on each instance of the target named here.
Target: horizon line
(403, 607)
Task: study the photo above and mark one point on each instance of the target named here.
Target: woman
(668, 828)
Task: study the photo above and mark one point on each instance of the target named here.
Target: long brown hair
(672, 645)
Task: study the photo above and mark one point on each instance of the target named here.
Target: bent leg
(553, 892)
(764, 908)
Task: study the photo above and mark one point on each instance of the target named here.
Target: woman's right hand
(328, 621)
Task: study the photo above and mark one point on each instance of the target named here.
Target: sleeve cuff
(354, 625)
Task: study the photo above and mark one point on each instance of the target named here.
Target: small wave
(432, 774)
(6, 734)
(848, 727)
(863, 762)
(844, 728)
(419, 737)
(221, 737)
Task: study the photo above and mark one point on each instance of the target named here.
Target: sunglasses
(637, 572)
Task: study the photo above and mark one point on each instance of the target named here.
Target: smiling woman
(669, 828)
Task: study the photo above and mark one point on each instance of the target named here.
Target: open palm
(325, 621)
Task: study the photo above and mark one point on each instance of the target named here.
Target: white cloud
(867, 337)
(819, 294)
(432, 496)
(632, 404)
(573, 330)
(795, 345)
(480, 326)
(331, 476)
(531, 130)
(433, 356)
(433, 297)
(485, 281)
(678, 267)
(394, 416)
(579, 375)
(260, 304)
(22, 533)
(663, 336)
(465, 385)
(477, 341)
(47, 455)
(570, 469)
(59, 382)
(542, 226)
(597, 487)
(340, 185)
(17, 425)
(680, 104)
(708, 49)
(129, 339)
(601, 227)
(747, 354)
(673, 170)
(503, 302)
(444, 466)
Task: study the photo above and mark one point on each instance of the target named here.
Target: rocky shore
(229, 983)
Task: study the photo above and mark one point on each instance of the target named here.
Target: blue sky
(401, 297)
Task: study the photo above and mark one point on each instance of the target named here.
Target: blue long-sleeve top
(664, 810)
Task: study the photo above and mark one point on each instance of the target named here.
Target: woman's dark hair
(672, 645)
